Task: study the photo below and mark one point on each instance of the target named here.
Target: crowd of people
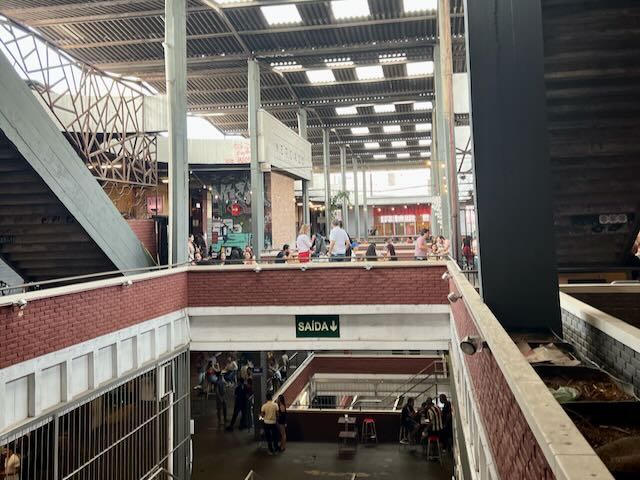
(428, 420)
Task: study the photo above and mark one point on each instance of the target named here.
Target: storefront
(401, 220)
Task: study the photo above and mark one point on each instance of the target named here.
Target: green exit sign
(325, 326)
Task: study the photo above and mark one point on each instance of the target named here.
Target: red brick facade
(322, 286)
(145, 230)
(515, 449)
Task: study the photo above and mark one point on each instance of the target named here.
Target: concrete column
(257, 177)
(343, 175)
(175, 55)
(511, 163)
(302, 131)
(326, 155)
(356, 202)
(442, 147)
(365, 209)
(448, 121)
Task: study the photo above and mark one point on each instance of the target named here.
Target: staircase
(55, 219)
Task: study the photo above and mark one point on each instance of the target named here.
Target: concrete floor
(230, 456)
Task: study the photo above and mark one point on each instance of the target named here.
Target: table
(347, 438)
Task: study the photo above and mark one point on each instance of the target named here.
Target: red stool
(433, 455)
(369, 435)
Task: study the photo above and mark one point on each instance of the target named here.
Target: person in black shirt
(407, 418)
(283, 255)
(240, 406)
(447, 421)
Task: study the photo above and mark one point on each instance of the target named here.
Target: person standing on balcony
(191, 248)
(422, 250)
(11, 464)
(304, 244)
(338, 242)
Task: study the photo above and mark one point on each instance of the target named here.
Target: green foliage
(338, 198)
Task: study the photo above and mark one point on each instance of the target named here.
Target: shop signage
(257, 371)
(325, 326)
(236, 210)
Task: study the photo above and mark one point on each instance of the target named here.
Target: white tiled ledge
(612, 326)
(567, 452)
(601, 288)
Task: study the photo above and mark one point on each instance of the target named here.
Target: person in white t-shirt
(339, 243)
(11, 465)
(303, 244)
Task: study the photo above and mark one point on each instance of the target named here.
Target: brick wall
(54, 323)
(145, 230)
(515, 449)
(617, 358)
(625, 306)
(321, 286)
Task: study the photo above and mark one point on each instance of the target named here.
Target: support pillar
(356, 196)
(257, 177)
(343, 175)
(448, 122)
(511, 162)
(175, 57)
(365, 210)
(302, 131)
(439, 163)
(327, 179)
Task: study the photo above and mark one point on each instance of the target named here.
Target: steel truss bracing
(101, 115)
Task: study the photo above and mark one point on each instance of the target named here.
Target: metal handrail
(394, 393)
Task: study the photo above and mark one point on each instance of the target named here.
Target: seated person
(407, 418)
(284, 254)
(434, 417)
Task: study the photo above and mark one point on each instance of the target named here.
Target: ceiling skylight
(371, 145)
(419, 68)
(392, 57)
(399, 144)
(379, 156)
(369, 73)
(425, 142)
(324, 75)
(343, 9)
(391, 129)
(384, 108)
(414, 6)
(425, 154)
(423, 127)
(403, 155)
(281, 14)
(360, 130)
(346, 110)
(423, 105)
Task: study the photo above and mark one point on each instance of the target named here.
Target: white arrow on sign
(333, 326)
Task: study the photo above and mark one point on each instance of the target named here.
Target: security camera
(257, 269)
(453, 297)
(471, 344)
(446, 276)
(303, 268)
(20, 304)
(368, 267)
(127, 283)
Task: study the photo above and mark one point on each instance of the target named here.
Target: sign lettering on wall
(325, 326)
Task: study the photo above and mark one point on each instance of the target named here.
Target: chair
(433, 451)
(369, 435)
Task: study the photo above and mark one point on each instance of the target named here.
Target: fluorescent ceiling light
(419, 68)
(384, 108)
(399, 144)
(403, 155)
(423, 127)
(371, 145)
(425, 154)
(338, 62)
(343, 9)
(411, 6)
(425, 142)
(391, 129)
(324, 75)
(380, 156)
(346, 110)
(286, 66)
(423, 105)
(369, 73)
(281, 14)
(392, 57)
(360, 130)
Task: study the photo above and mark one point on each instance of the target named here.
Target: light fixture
(424, 142)
(286, 66)
(127, 283)
(423, 127)
(303, 268)
(338, 62)
(446, 276)
(371, 145)
(399, 144)
(380, 156)
(471, 344)
(165, 180)
(425, 154)
(20, 304)
(281, 14)
(346, 111)
(373, 72)
(418, 106)
(403, 155)
(419, 68)
(392, 57)
(453, 297)
(360, 130)
(323, 75)
(384, 108)
(391, 128)
(368, 267)
(343, 9)
(414, 6)
(257, 269)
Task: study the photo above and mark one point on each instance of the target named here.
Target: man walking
(240, 406)
(269, 413)
(338, 242)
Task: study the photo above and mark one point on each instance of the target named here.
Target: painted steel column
(327, 179)
(343, 174)
(438, 128)
(511, 162)
(175, 57)
(302, 131)
(433, 173)
(257, 177)
(365, 210)
(356, 196)
(448, 121)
